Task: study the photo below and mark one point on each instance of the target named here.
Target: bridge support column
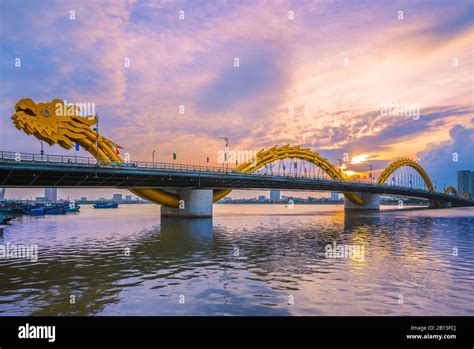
(371, 202)
(195, 203)
(438, 204)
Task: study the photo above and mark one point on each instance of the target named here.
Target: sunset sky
(335, 63)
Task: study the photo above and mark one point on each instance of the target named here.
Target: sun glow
(359, 158)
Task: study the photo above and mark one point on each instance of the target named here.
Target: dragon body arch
(408, 163)
(451, 190)
(275, 153)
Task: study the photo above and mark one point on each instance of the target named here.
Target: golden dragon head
(57, 123)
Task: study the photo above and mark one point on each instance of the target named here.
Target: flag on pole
(174, 156)
(77, 147)
(117, 151)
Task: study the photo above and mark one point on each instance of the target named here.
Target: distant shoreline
(310, 203)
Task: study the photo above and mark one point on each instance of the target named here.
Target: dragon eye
(46, 112)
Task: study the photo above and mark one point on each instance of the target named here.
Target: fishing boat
(13, 208)
(4, 219)
(106, 205)
(54, 209)
(36, 211)
(71, 207)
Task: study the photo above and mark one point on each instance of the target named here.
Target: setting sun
(359, 158)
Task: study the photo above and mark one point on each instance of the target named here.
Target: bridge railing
(46, 158)
(90, 161)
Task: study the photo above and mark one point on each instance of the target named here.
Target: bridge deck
(63, 172)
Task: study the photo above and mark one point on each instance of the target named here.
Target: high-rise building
(128, 198)
(51, 194)
(274, 195)
(117, 197)
(2, 194)
(466, 182)
(41, 200)
(334, 196)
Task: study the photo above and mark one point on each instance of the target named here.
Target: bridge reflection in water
(278, 254)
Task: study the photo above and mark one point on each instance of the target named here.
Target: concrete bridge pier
(371, 202)
(438, 204)
(195, 203)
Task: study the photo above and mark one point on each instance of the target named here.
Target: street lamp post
(42, 150)
(96, 129)
(153, 157)
(370, 171)
(340, 165)
(226, 153)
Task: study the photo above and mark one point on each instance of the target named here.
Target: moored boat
(4, 219)
(106, 205)
(54, 209)
(35, 211)
(71, 207)
(13, 208)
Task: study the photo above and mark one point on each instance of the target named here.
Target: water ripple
(270, 262)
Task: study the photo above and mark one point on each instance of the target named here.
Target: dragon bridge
(45, 122)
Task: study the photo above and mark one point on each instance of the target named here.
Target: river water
(248, 260)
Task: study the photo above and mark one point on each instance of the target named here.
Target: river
(247, 260)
